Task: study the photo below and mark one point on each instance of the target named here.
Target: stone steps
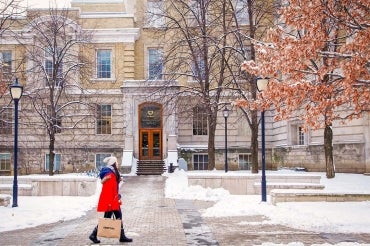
(300, 186)
(298, 195)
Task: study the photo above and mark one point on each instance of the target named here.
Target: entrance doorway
(150, 131)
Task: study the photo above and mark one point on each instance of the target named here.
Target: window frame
(57, 162)
(99, 166)
(100, 119)
(203, 163)
(8, 61)
(240, 8)
(49, 67)
(200, 121)
(248, 162)
(158, 62)
(6, 125)
(98, 64)
(5, 162)
(154, 15)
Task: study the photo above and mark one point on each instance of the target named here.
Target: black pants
(117, 215)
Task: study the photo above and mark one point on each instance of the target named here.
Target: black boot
(123, 238)
(93, 237)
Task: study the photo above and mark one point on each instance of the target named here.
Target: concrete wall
(50, 185)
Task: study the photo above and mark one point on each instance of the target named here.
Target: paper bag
(110, 228)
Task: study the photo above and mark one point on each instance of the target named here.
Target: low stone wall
(58, 185)
(289, 195)
(249, 184)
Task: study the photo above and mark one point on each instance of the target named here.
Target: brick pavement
(153, 220)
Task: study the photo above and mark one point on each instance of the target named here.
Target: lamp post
(226, 114)
(16, 91)
(261, 86)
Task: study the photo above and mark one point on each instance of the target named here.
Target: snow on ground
(330, 217)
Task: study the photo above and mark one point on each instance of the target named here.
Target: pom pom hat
(110, 160)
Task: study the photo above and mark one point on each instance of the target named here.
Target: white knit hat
(110, 160)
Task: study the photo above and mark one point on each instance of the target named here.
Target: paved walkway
(153, 220)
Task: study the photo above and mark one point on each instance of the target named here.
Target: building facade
(132, 121)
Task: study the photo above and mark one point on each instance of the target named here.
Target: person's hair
(116, 172)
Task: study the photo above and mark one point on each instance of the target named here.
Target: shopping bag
(110, 228)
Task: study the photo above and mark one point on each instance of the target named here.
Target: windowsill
(98, 80)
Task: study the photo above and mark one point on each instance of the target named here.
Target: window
(4, 162)
(297, 134)
(57, 120)
(155, 15)
(50, 63)
(200, 161)
(103, 64)
(155, 63)
(200, 126)
(244, 53)
(99, 164)
(6, 121)
(199, 68)
(195, 12)
(245, 162)
(241, 9)
(57, 164)
(6, 62)
(104, 119)
(300, 136)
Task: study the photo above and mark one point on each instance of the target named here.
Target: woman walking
(110, 199)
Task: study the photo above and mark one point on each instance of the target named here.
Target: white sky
(334, 217)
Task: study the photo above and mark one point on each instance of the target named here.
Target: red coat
(109, 200)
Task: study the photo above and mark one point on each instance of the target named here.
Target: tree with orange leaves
(317, 61)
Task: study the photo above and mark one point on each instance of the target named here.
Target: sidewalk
(153, 220)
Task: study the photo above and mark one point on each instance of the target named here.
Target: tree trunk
(254, 141)
(51, 155)
(211, 143)
(328, 145)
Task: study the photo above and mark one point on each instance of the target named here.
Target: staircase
(150, 167)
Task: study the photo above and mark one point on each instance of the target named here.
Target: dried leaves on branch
(317, 59)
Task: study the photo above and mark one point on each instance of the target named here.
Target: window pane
(5, 121)
(5, 161)
(200, 126)
(242, 12)
(49, 66)
(300, 135)
(200, 161)
(6, 61)
(57, 162)
(103, 64)
(154, 15)
(104, 119)
(99, 164)
(155, 64)
(245, 162)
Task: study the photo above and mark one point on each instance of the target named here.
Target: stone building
(135, 125)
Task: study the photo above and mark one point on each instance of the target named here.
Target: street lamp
(226, 114)
(16, 91)
(261, 86)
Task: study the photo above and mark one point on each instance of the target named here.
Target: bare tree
(53, 42)
(252, 20)
(10, 11)
(205, 44)
(197, 37)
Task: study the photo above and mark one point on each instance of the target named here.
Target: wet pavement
(153, 220)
